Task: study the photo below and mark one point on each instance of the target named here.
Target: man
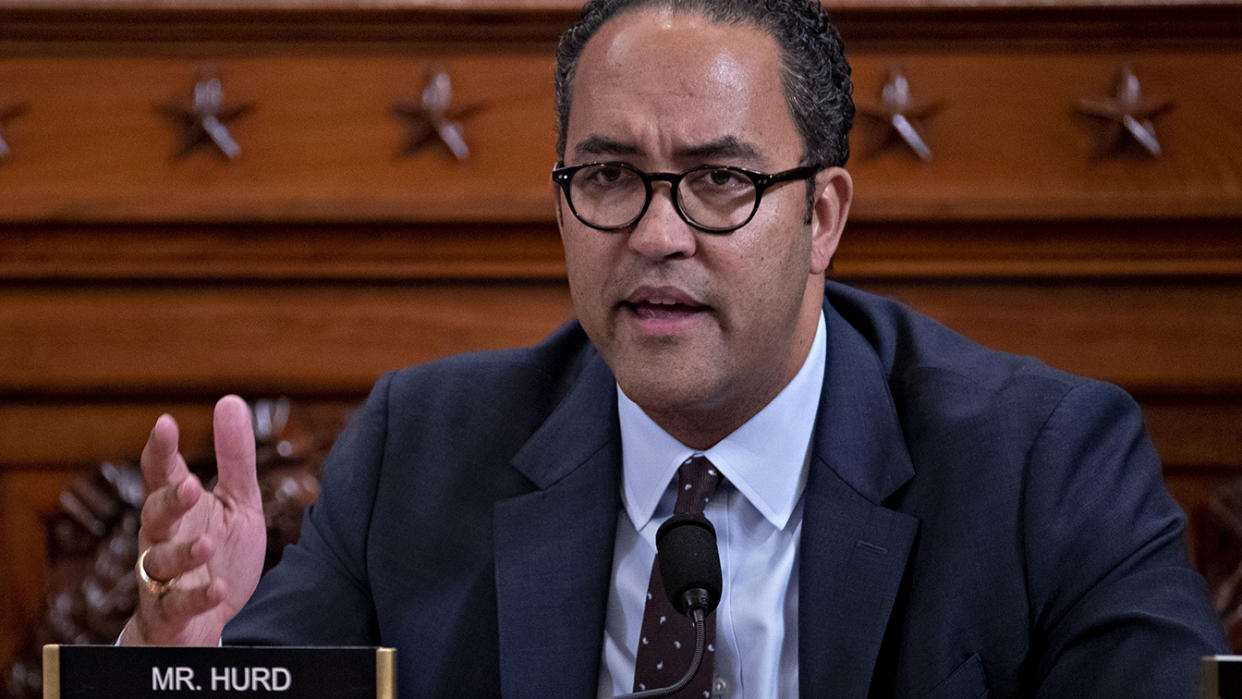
(901, 512)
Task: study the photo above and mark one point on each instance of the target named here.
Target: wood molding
(86, 342)
(986, 21)
(871, 251)
(288, 252)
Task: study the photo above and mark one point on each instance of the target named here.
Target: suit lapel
(553, 546)
(853, 550)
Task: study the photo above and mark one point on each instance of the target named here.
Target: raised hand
(202, 551)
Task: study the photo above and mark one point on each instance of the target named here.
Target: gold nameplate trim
(385, 673)
(51, 671)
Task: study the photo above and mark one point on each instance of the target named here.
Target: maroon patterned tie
(666, 644)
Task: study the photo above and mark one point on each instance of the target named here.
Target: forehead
(662, 81)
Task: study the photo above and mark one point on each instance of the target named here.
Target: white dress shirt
(757, 513)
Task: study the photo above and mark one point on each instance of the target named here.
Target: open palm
(210, 542)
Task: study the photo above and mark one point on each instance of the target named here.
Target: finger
(235, 458)
(181, 603)
(163, 509)
(166, 561)
(161, 462)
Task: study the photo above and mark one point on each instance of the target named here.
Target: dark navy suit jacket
(975, 524)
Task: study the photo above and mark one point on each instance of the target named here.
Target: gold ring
(156, 587)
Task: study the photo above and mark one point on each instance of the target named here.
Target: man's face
(701, 330)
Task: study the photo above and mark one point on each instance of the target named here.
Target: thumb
(235, 457)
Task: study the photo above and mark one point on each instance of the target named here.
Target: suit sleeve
(1116, 607)
(319, 593)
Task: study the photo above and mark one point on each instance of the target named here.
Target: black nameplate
(130, 672)
(1222, 677)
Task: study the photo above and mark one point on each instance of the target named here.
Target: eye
(718, 178)
(717, 182)
(605, 176)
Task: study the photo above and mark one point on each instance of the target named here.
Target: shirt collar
(766, 458)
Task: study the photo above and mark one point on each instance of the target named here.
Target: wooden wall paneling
(1193, 488)
(1008, 145)
(1203, 432)
(158, 339)
(1150, 337)
(1200, 443)
(300, 339)
(75, 433)
(321, 143)
(26, 497)
(132, 283)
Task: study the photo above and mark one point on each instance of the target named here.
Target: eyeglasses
(716, 199)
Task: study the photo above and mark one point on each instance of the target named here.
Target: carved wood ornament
(435, 117)
(92, 540)
(1127, 118)
(1220, 555)
(7, 112)
(901, 115)
(205, 120)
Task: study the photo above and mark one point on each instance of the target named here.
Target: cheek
(586, 261)
(776, 255)
(577, 250)
(583, 284)
(770, 282)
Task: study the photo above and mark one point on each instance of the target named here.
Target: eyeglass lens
(610, 196)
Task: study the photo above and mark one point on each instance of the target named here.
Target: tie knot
(696, 481)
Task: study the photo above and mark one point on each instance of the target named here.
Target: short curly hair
(816, 77)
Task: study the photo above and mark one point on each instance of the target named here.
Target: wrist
(137, 632)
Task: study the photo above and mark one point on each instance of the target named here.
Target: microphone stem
(700, 641)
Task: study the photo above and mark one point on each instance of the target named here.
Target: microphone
(689, 563)
(690, 570)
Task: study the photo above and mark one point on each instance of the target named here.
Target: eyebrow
(599, 145)
(723, 147)
(720, 148)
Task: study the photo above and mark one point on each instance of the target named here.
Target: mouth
(663, 310)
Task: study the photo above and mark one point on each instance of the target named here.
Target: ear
(834, 191)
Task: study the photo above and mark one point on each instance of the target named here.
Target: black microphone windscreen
(686, 545)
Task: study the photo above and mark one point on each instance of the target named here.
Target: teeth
(657, 312)
(662, 301)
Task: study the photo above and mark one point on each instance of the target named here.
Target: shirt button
(720, 688)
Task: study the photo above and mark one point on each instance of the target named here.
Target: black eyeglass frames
(613, 196)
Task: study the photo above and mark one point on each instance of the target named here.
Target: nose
(661, 233)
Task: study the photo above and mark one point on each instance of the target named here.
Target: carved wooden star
(1129, 119)
(7, 113)
(435, 117)
(205, 120)
(900, 114)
